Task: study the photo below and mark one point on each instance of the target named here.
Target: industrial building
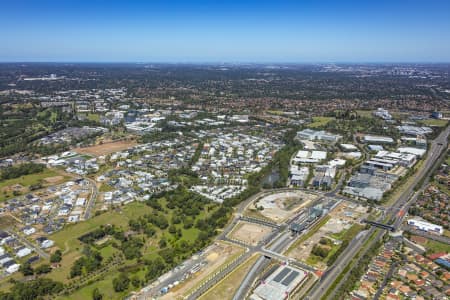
(280, 284)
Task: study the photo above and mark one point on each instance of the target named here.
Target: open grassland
(67, 239)
(434, 122)
(435, 246)
(105, 286)
(320, 121)
(6, 186)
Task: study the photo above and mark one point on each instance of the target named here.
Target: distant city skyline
(225, 31)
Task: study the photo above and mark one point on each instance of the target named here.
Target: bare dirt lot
(281, 206)
(215, 256)
(250, 233)
(106, 148)
(54, 179)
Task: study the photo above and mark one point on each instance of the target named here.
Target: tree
(43, 269)
(172, 229)
(96, 295)
(26, 269)
(162, 243)
(135, 281)
(56, 256)
(121, 283)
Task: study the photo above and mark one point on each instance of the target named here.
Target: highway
(402, 203)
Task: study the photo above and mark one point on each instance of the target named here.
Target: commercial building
(415, 151)
(375, 147)
(280, 284)
(348, 147)
(425, 226)
(395, 158)
(382, 113)
(414, 130)
(299, 175)
(309, 157)
(436, 115)
(378, 139)
(324, 175)
(315, 135)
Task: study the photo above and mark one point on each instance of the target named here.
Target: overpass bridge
(380, 225)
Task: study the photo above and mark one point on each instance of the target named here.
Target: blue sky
(225, 31)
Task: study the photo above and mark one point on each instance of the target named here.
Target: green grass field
(93, 117)
(348, 233)
(25, 181)
(320, 121)
(313, 259)
(434, 122)
(435, 246)
(67, 239)
(365, 113)
(105, 286)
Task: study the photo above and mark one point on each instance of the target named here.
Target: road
(92, 198)
(30, 245)
(277, 246)
(402, 203)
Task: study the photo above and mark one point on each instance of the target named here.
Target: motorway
(402, 203)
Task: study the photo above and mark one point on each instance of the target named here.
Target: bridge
(274, 255)
(380, 225)
(260, 222)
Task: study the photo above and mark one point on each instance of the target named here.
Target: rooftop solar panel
(287, 281)
(281, 275)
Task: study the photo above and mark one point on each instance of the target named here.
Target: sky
(298, 31)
